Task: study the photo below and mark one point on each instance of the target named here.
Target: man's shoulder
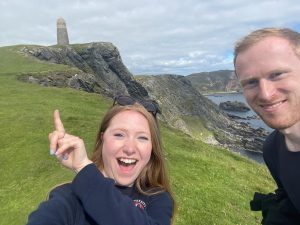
(271, 141)
(271, 149)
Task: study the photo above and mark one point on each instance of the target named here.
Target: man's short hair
(248, 41)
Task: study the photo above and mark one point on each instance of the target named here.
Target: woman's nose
(129, 147)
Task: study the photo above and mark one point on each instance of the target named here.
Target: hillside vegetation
(211, 185)
(215, 81)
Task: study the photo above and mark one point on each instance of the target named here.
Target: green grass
(13, 62)
(197, 128)
(211, 185)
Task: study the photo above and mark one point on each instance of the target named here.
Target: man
(267, 64)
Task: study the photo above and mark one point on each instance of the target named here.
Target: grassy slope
(211, 185)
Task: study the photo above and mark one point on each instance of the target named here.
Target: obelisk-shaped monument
(62, 33)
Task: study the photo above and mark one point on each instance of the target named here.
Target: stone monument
(62, 33)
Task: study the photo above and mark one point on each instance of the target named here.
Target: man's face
(269, 73)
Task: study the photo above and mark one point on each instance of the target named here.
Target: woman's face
(127, 147)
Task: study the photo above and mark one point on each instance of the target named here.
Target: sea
(249, 117)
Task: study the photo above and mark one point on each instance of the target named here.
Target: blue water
(253, 120)
(249, 117)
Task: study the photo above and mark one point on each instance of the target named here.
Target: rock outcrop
(101, 69)
(234, 106)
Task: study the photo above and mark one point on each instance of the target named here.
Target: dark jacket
(283, 206)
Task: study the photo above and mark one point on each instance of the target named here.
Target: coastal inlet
(247, 116)
(236, 107)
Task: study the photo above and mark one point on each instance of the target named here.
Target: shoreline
(255, 123)
(221, 92)
(252, 155)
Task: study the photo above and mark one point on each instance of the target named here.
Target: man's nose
(266, 89)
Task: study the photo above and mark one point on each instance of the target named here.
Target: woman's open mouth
(126, 164)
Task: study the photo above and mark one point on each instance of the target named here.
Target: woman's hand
(68, 149)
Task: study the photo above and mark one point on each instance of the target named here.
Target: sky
(153, 36)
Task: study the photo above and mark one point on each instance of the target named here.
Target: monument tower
(62, 33)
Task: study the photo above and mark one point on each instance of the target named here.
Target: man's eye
(275, 75)
(250, 83)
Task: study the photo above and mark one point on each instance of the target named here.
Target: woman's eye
(143, 138)
(118, 135)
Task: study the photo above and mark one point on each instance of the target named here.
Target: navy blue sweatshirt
(93, 199)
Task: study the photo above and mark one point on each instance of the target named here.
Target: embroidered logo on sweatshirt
(139, 203)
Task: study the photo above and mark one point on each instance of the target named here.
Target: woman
(126, 180)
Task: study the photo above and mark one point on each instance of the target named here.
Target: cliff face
(216, 81)
(101, 70)
(180, 100)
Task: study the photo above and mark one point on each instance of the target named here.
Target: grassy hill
(211, 185)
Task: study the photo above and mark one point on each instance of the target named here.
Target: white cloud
(158, 36)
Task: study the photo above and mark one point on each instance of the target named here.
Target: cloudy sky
(153, 36)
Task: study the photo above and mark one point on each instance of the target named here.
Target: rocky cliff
(100, 69)
(215, 81)
(101, 66)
